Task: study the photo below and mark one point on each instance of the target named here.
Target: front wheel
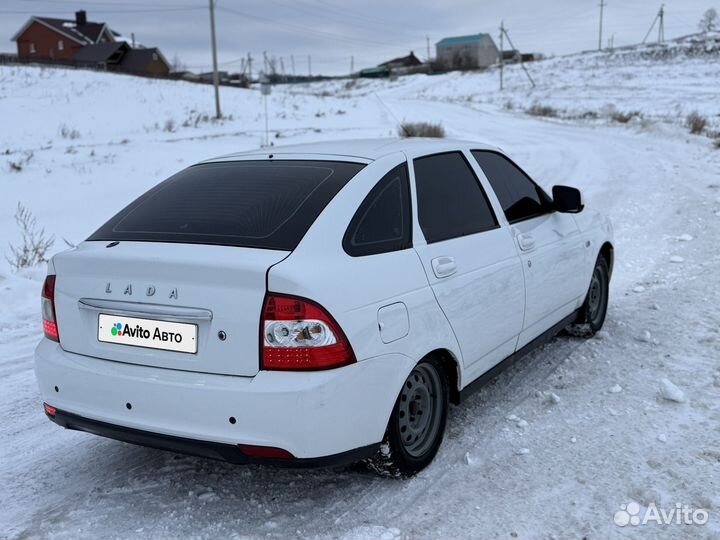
(594, 309)
(417, 422)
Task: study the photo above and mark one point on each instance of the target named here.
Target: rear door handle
(526, 241)
(444, 266)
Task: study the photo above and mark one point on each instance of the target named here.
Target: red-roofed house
(59, 39)
(86, 44)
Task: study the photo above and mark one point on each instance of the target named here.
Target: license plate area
(147, 333)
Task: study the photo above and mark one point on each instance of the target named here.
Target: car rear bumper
(214, 450)
(337, 414)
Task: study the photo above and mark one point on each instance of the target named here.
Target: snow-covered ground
(552, 448)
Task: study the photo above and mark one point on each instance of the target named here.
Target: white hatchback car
(316, 304)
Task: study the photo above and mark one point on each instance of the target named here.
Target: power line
(105, 11)
(376, 20)
(323, 13)
(305, 30)
(110, 3)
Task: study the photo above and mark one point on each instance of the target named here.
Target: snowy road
(515, 463)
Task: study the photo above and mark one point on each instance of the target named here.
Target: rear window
(262, 204)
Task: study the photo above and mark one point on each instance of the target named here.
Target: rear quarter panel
(354, 289)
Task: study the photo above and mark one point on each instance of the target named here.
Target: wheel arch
(607, 252)
(451, 367)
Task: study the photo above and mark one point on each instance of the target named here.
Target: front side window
(383, 222)
(451, 201)
(519, 196)
(260, 204)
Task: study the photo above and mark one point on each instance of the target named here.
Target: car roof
(362, 149)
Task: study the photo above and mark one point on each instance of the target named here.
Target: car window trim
(550, 208)
(497, 224)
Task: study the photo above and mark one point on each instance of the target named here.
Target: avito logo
(138, 331)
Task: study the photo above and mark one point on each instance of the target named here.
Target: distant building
(59, 39)
(402, 62)
(85, 43)
(397, 66)
(512, 56)
(146, 61)
(467, 52)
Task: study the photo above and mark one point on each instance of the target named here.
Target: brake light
(49, 409)
(48, 309)
(298, 334)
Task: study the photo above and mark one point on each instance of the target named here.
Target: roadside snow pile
(625, 87)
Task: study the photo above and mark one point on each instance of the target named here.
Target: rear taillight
(48, 309)
(298, 334)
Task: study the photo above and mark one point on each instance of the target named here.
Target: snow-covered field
(552, 448)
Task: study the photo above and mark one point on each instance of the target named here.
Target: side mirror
(567, 199)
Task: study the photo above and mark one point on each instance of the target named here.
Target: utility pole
(602, 7)
(427, 42)
(216, 77)
(660, 17)
(265, 62)
(352, 65)
(309, 66)
(249, 63)
(513, 48)
(502, 60)
(292, 61)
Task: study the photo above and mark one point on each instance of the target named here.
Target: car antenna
(400, 125)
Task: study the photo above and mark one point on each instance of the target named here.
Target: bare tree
(35, 243)
(709, 21)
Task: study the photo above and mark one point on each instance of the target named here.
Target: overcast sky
(370, 30)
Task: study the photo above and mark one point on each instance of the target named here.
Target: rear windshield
(263, 204)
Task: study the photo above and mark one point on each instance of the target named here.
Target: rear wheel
(417, 423)
(594, 309)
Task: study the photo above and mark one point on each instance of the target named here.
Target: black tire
(593, 311)
(417, 423)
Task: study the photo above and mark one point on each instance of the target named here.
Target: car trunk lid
(164, 287)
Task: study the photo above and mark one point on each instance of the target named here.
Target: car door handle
(444, 266)
(525, 241)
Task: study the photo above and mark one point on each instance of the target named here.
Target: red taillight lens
(49, 409)
(298, 334)
(48, 309)
(264, 452)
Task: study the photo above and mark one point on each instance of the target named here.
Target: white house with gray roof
(467, 52)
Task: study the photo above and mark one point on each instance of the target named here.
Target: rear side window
(451, 201)
(382, 223)
(520, 197)
(262, 204)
